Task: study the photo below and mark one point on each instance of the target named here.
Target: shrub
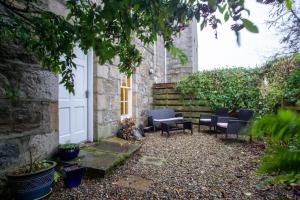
(292, 90)
(261, 89)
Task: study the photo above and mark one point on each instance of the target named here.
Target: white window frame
(129, 114)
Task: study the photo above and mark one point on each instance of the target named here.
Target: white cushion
(223, 125)
(205, 120)
(168, 119)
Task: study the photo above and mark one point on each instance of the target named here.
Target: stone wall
(31, 119)
(186, 41)
(107, 113)
(106, 99)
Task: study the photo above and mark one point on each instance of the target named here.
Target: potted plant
(68, 151)
(73, 175)
(32, 181)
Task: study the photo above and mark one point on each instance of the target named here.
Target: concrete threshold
(100, 158)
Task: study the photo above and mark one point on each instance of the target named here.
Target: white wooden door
(73, 108)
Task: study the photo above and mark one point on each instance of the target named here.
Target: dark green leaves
(226, 16)
(250, 26)
(239, 88)
(109, 28)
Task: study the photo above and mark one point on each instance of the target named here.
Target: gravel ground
(197, 166)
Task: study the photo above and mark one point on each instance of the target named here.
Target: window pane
(122, 108)
(126, 108)
(122, 95)
(126, 94)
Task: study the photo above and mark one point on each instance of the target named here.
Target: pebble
(198, 166)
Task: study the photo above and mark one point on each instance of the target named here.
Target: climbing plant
(109, 28)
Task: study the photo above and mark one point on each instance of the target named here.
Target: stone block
(100, 117)
(45, 144)
(114, 72)
(99, 86)
(102, 102)
(9, 153)
(54, 116)
(104, 131)
(102, 71)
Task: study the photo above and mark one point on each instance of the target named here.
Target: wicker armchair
(211, 120)
(230, 125)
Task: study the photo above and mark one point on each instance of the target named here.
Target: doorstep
(101, 157)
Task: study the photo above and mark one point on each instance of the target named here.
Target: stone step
(102, 157)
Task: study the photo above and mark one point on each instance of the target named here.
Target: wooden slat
(172, 102)
(164, 91)
(164, 85)
(171, 96)
(203, 109)
(165, 96)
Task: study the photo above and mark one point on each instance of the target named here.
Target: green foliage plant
(282, 156)
(261, 89)
(292, 91)
(68, 146)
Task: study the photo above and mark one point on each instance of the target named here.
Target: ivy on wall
(262, 89)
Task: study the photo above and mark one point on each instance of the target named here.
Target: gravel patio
(183, 166)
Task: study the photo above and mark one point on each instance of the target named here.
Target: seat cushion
(205, 120)
(222, 125)
(168, 119)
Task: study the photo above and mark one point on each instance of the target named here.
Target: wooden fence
(165, 96)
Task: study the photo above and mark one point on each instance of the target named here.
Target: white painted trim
(130, 102)
(90, 106)
(165, 65)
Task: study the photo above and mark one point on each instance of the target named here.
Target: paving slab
(100, 158)
(134, 182)
(148, 160)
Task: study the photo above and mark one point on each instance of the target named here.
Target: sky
(254, 51)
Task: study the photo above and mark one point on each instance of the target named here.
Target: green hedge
(262, 89)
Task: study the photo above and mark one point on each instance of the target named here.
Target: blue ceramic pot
(68, 154)
(73, 175)
(33, 185)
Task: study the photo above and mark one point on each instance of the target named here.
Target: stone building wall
(107, 82)
(106, 99)
(186, 41)
(30, 121)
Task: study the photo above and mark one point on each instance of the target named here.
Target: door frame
(90, 96)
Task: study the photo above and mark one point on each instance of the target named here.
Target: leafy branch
(109, 28)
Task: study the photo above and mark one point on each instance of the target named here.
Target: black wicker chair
(231, 125)
(211, 120)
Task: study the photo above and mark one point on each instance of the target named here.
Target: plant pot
(35, 185)
(68, 154)
(73, 175)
